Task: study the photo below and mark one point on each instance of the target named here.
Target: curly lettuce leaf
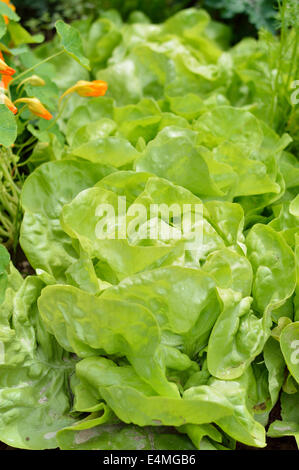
(34, 371)
(45, 191)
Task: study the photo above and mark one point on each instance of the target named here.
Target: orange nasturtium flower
(5, 100)
(5, 79)
(10, 5)
(85, 88)
(5, 69)
(36, 107)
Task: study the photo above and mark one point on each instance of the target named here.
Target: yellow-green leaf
(7, 11)
(2, 26)
(8, 126)
(20, 36)
(72, 42)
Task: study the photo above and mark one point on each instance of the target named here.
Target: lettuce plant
(154, 334)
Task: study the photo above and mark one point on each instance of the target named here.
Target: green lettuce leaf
(34, 397)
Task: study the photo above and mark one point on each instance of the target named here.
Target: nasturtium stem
(30, 147)
(60, 111)
(20, 85)
(21, 110)
(5, 222)
(26, 161)
(4, 233)
(25, 144)
(10, 212)
(8, 205)
(14, 160)
(14, 189)
(36, 65)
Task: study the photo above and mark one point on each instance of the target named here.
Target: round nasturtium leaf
(72, 42)
(8, 126)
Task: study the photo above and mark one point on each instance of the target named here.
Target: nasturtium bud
(5, 79)
(85, 88)
(5, 69)
(34, 80)
(5, 100)
(36, 107)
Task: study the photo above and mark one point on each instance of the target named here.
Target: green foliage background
(245, 16)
